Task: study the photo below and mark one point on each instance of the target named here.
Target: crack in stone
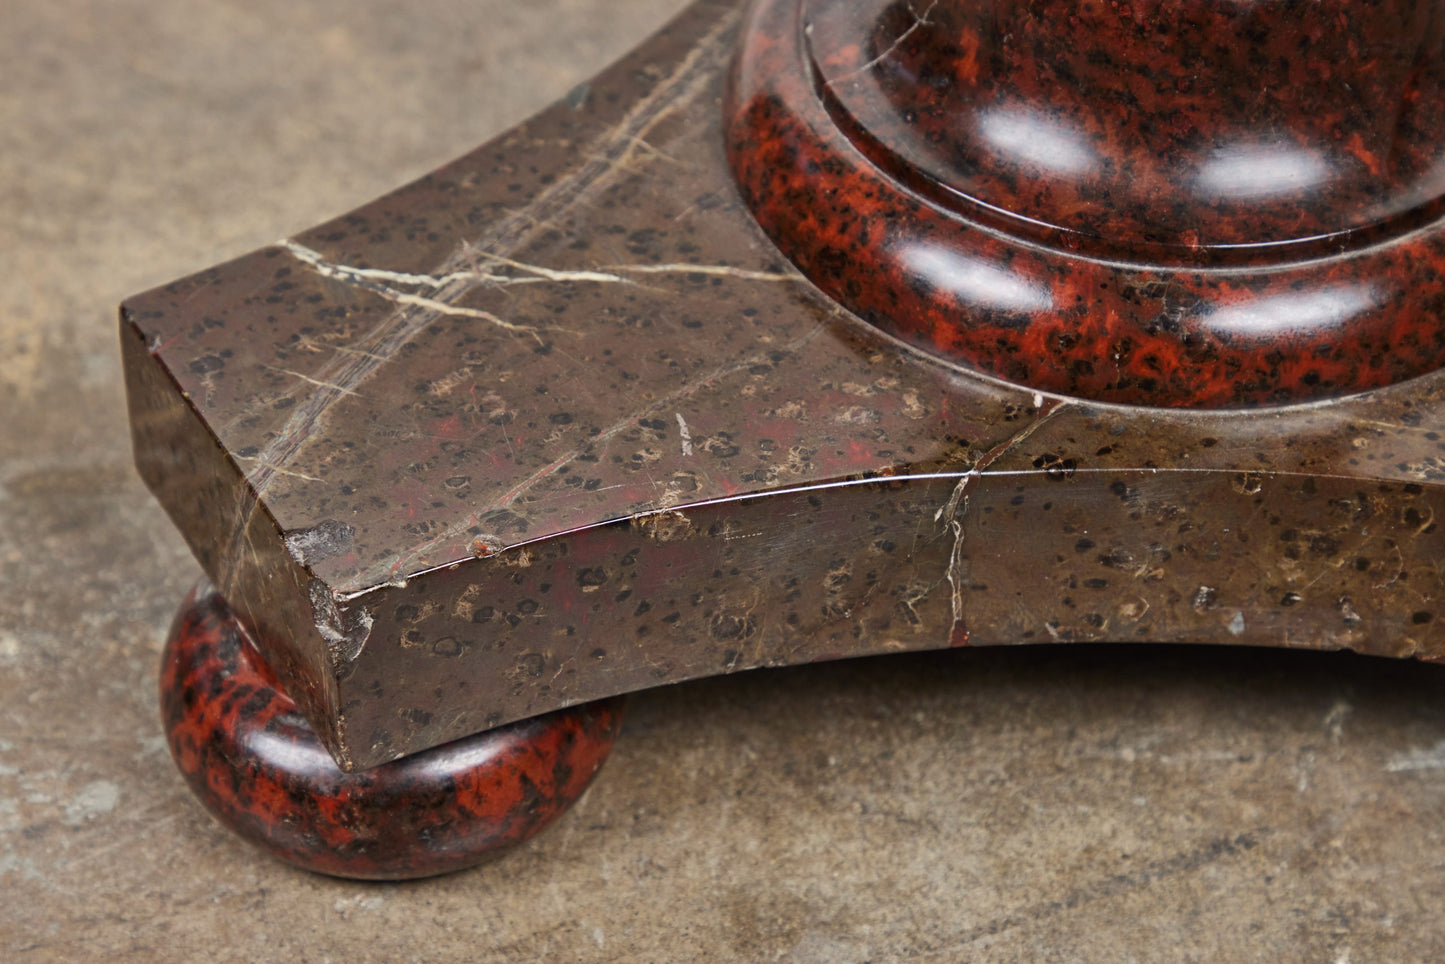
(952, 512)
(367, 278)
(715, 270)
(381, 281)
(349, 273)
(307, 378)
(606, 156)
(546, 274)
(277, 469)
(919, 20)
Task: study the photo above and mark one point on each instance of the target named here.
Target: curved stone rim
(1107, 330)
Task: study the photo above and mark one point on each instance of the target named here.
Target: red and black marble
(1197, 204)
(259, 768)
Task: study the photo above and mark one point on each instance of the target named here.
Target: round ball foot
(260, 769)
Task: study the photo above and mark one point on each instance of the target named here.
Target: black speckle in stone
(447, 646)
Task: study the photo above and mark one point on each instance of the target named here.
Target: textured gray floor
(1030, 805)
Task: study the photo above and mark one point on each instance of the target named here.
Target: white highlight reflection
(976, 283)
(1323, 308)
(289, 755)
(1261, 170)
(1036, 140)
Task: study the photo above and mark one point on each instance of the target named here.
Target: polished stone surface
(1034, 804)
(1044, 194)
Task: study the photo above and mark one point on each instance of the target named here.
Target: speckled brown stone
(559, 422)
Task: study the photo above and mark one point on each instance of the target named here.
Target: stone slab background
(1040, 804)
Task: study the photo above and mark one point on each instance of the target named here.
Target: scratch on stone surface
(447, 309)
(552, 468)
(684, 84)
(1149, 874)
(657, 152)
(278, 469)
(562, 666)
(919, 20)
(952, 512)
(307, 378)
(1400, 567)
(686, 435)
(356, 351)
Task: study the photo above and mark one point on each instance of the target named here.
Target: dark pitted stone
(258, 767)
(1187, 204)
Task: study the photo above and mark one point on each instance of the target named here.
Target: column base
(259, 768)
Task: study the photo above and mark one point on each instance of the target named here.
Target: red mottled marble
(259, 768)
(1199, 205)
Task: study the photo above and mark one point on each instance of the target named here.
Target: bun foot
(258, 767)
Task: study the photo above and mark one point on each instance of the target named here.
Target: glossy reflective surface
(259, 768)
(1203, 204)
(1158, 127)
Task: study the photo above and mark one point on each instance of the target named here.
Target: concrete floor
(1044, 804)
